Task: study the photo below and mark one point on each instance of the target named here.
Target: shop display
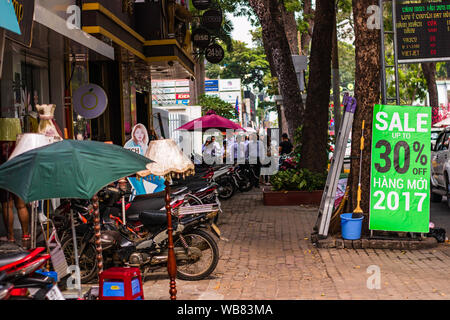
(47, 124)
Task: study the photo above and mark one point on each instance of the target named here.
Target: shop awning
(54, 22)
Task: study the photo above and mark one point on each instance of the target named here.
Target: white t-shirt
(214, 146)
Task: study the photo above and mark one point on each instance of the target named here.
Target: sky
(241, 29)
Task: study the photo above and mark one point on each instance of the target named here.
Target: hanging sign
(212, 19)
(214, 53)
(201, 38)
(24, 10)
(201, 4)
(400, 169)
(8, 18)
(90, 101)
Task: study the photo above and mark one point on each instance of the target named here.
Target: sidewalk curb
(339, 243)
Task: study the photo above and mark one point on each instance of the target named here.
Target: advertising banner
(211, 85)
(400, 169)
(183, 102)
(183, 96)
(230, 97)
(229, 84)
(182, 90)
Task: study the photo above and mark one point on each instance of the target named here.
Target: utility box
(121, 284)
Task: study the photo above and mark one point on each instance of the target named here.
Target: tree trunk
(336, 80)
(307, 36)
(315, 127)
(274, 37)
(429, 71)
(290, 25)
(367, 94)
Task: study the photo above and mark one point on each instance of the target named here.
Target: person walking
(286, 146)
(255, 151)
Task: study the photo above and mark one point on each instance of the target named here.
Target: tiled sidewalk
(269, 255)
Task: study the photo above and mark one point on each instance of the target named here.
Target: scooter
(20, 278)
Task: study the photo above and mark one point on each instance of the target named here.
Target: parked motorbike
(143, 241)
(241, 178)
(19, 279)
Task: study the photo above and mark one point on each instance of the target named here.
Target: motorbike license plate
(215, 229)
(54, 294)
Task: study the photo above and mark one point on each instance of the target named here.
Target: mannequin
(47, 124)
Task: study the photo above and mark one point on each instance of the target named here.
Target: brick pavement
(268, 255)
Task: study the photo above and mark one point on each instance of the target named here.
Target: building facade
(119, 45)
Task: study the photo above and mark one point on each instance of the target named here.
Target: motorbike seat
(197, 186)
(138, 206)
(9, 258)
(153, 217)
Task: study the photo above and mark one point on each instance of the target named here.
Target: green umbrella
(68, 169)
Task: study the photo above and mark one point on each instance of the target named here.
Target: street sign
(201, 38)
(423, 30)
(212, 19)
(400, 169)
(214, 53)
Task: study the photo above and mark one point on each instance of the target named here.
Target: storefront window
(79, 77)
(24, 84)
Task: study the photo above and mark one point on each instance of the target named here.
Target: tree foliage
(248, 64)
(220, 107)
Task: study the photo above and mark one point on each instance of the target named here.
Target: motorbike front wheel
(87, 260)
(226, 188)
(245, 184)
(203, 259)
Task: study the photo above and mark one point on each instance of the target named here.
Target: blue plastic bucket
(351, 227)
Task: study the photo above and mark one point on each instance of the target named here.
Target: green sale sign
(400, 169)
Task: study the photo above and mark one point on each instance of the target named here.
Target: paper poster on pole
(400, 169)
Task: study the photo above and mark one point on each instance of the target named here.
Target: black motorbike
(196, 250)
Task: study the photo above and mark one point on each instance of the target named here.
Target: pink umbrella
(209, 121)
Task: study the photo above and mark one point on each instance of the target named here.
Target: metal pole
(382, 56)
(75, 252)
(394, 18)
(2, 48)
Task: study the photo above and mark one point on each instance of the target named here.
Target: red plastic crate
(121, 284)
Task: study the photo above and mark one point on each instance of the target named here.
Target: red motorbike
(19, 279)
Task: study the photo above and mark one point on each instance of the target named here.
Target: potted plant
(295, 187)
